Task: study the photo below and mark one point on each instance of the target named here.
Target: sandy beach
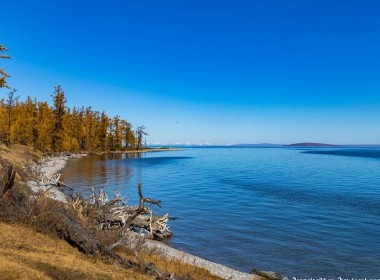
(47, 171)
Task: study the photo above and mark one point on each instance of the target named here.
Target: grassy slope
(26, 254)
(18, 155)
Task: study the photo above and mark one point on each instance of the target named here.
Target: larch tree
(3, 124)
(127, 134)
(117, 134)
(44, 126)
(59, 101)
(103, 131)
(3, 74)
(140, 133)
(70, 142)
(111, 136)
(75, 128)
(10, 105)
(78, 127)
(34, 124)
(25, 122)
(90, 118)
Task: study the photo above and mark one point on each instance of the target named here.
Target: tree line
(59, 128)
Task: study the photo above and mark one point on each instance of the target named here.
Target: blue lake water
(299, 212)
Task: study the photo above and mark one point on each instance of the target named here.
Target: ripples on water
(304, 213)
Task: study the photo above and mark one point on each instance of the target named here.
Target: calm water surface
(312, 213)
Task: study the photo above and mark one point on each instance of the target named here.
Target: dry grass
(179, 268)
(26, 254)
(18, 155)
(174, 267)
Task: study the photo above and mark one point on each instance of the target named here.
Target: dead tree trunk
(73, 232)
(141, 207)
(8, 180)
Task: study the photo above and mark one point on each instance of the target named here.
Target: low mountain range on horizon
(311, 144)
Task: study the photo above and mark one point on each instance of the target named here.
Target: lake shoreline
(147, 150)
(46, 171)
(53, 165)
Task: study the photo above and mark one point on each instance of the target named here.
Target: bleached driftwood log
(116, 213)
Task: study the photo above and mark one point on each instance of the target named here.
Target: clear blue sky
(206, 71)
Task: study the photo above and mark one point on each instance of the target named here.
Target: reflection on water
(99, 170)
(113, 171)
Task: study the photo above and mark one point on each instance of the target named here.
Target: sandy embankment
(216, 269)
(47, 168)
(52, 166)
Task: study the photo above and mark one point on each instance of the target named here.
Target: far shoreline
(147, 150)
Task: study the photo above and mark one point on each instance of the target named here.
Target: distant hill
(308, 144)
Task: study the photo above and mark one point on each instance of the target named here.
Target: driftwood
(114, 213)
(157, 225)
(110, 214)
(267, 274)
(8, 180)
(72, 231)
